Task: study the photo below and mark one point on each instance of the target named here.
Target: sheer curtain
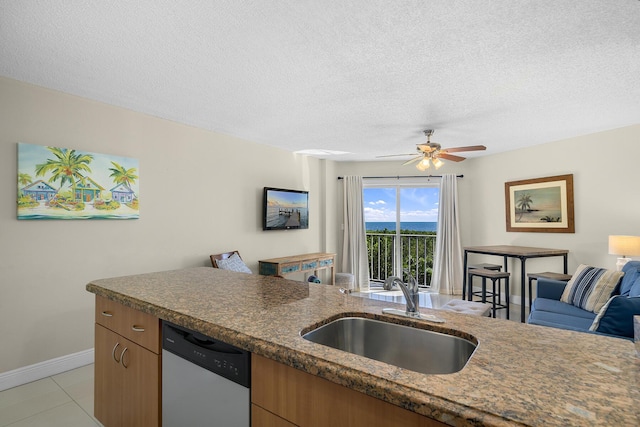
(447, 263)
(354, 246)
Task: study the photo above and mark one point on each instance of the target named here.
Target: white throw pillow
(233, 263)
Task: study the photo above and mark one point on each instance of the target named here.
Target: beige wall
(201, 193)
(606, 191)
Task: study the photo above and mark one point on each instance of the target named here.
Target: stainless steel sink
(415, 349)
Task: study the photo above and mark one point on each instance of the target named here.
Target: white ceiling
(363, 76)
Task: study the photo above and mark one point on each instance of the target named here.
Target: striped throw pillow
(590, 287)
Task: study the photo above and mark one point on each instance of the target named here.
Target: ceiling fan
(432, 153)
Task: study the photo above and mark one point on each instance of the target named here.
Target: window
(401, 222)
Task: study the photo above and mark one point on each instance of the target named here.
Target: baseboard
(45, 369)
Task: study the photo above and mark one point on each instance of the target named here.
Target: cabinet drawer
(309, 265)
(290, 267)
(326, 262)
(139, 327)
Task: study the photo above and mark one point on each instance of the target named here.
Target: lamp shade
(423, 164)
(624, 245)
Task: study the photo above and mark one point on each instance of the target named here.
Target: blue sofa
(616, 317)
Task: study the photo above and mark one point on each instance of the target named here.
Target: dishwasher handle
(210, 344)
(177, 336)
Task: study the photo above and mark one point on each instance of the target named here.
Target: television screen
(285, 209)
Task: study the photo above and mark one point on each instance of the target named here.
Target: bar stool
(495, 276)
(546, 275)
(494, 267)
(472, 308)
(345, 280)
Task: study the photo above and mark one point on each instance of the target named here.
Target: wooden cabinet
(127, 366)
(128, 383)
(263, 418)
(305, 400)
(139, 327)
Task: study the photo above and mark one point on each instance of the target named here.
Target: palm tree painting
(24, 179)
(523, 203)
(124, 176)
(67, 166)
(538, 205)
(70, 184)
(542, 205)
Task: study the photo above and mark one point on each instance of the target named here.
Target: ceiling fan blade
(469, 148)
(415, 159)
(451, 157)
(397, 155)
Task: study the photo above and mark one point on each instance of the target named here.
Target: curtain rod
(409, 176)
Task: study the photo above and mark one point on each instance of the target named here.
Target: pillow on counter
(590, 287)
(616, 317)
(233, 263)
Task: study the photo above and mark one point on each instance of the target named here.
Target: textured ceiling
(363, 76)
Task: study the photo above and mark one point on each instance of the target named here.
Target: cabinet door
(127, 382)
(140, 370)
(108, 381)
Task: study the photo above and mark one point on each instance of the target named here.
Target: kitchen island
(519, 374)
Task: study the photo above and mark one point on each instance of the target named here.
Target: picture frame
(59, 183)
(540, 205)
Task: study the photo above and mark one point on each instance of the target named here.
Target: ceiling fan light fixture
(423, 164)
(430, 152)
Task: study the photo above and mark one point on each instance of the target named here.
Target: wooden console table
(298, 264)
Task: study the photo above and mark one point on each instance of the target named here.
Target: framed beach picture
(543, 205)
(63, 183)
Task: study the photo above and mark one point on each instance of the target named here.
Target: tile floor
(63, 400)
(66, 399)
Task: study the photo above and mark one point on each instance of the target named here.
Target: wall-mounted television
(285, 209)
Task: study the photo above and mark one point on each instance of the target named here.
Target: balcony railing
(417, 256)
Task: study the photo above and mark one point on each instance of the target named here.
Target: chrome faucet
(410, 291)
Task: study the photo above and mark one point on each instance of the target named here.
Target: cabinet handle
(107, 314)
(137, 328)
(122, 357)
(113, 352)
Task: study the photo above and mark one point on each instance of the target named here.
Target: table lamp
(625, 246)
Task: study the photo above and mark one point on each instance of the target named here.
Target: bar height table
(523, 253)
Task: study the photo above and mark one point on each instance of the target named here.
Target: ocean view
(412, 226)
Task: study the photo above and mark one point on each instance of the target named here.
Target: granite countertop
(519, 374)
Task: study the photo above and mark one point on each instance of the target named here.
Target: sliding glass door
(401, 223)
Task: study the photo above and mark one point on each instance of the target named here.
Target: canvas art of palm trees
(63, 183)
(539, 205)
(542, 205)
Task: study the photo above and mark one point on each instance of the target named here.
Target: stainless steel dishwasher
(205, 382)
